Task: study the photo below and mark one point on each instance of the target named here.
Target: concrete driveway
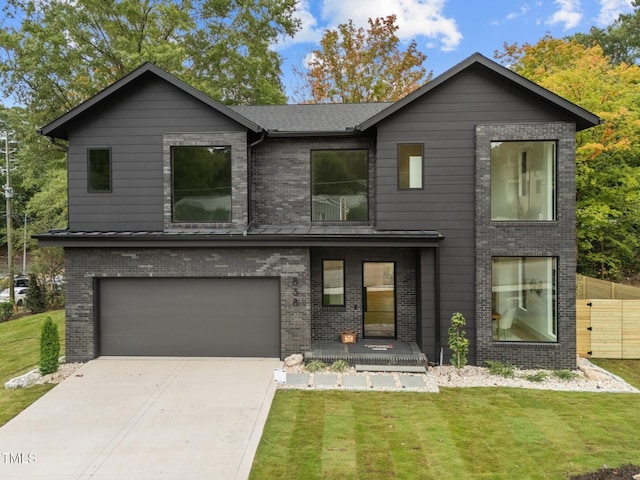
(144, 418)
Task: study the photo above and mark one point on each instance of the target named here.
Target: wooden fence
(608, 328)
(588, 287)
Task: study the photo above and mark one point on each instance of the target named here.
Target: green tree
(458, 341)
(608, 156)
(620, 41)
(357, 65)
(55, 54)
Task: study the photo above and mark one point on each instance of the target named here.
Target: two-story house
(197, 229)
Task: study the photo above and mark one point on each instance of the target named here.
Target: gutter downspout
(263, 136)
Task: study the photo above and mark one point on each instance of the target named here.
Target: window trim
(398, 147)
(92, 149)
(344, 285)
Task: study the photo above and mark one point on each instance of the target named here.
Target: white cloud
(415, 18)
(569, 14)
(611, 9)
(513, 15)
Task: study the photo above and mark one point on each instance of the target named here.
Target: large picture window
(410, 160)
(339, 185)
(523, 180)
(99, 170)
(524, 299)
(333, 282)
(201, 183)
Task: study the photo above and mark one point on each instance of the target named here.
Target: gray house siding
(445, 122)
(132, 125)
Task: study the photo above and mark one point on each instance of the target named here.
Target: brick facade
(84, 266)
(328, 321)
(528, 239)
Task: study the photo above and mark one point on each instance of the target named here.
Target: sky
(448, 31)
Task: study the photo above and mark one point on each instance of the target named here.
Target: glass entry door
(379, 299)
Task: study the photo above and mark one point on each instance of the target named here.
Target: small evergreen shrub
(501, 369)
(49, 347)
(36, 299)
(458, 343)
(6, 311)
(316, 365)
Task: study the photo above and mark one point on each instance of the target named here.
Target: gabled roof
(583, 118)
(312, 118)
(58, 128)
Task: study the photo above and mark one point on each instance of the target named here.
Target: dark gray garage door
(212, 317)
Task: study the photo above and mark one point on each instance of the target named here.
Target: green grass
(19, 353)
(471, 433)
(627, 369)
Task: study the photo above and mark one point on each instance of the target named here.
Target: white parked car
(19, 292)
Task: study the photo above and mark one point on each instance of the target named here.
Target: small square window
(99, 170)
(410, 166)
(333, 282)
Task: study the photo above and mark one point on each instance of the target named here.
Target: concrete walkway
(364, 381)
(144, 418)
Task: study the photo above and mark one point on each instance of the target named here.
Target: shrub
(539, 376)
(316, 365)
(501, 369)
(6, 310)
(458, 343)
(36, 299)
(49, 347)
(339, 366)
(565, 374)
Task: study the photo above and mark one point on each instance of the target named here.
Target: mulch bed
(625, 472)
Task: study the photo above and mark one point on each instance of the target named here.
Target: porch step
(391, 368)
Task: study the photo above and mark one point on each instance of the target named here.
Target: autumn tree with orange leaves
(608, 156)
(356, 65)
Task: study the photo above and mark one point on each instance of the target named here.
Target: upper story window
(339, 185)
(201, 184)
(410, 165)
(99, 170)
(523, 180)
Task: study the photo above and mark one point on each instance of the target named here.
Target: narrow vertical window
(99, 170)
(333, 282)
(410, 166)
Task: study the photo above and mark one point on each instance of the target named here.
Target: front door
(379, 299)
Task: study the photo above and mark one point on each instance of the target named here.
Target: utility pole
(8, 193)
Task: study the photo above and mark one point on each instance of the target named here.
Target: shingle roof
(325, 117)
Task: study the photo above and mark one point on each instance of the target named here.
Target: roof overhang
(583, 118)
(58, 128)
(213, 240)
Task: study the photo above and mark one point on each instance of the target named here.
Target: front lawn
(627, 369)
(473, 433)
(20, 352)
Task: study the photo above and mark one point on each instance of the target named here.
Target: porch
(367, 352)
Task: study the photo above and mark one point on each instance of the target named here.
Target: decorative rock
(294, 360)
(24, 380)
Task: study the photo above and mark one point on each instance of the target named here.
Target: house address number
(294, 282)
